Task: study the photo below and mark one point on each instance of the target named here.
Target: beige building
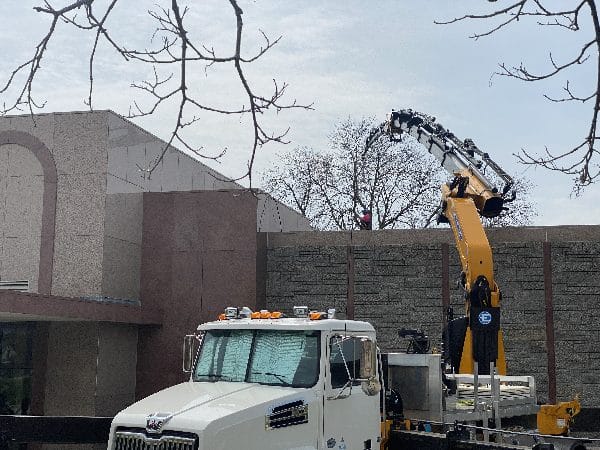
(100, 265)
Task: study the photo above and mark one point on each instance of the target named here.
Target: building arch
(45, 158)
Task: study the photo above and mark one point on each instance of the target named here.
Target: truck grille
(132, 440)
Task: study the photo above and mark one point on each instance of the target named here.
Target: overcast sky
(351, 58)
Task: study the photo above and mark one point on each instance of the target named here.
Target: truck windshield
(274, 357)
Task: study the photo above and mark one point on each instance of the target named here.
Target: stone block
(115, 185)
(123, 218)
(118, 162)
(116, 368)
(80, 205)
(72, 352)
(23, 206)
(137, 161)
(122, 132)
(77, 265)
(21, 259)
(41, 126)
(21, 161)
(80, 143)
(121, 269)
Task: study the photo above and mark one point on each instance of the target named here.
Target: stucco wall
(394, 279)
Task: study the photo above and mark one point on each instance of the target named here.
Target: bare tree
(398, 182)
(174, 52)
(581, 161)
(294, 180)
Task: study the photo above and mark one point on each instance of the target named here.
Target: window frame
(354, 379)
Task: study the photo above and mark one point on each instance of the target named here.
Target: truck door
(351, 415)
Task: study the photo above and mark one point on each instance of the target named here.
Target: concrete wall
(90, 370)
(198, 256)
(394, 279)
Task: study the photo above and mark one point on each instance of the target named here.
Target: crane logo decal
(484, 317)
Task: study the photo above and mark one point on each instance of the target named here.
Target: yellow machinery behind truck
(473, 343)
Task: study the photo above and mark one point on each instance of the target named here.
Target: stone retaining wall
(395, 279)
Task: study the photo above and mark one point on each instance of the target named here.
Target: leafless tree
(174, 52)
(398, 182)
(580, 161)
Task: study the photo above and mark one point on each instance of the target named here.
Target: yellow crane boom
(477, 337)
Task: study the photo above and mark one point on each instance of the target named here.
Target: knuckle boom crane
(475, 339)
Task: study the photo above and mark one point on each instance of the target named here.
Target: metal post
(496, 401)
(475, 385)
(486, 424)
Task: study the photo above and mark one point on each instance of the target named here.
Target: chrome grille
(130, 440)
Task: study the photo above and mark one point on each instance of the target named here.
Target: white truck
(260, 381)
(269, 383)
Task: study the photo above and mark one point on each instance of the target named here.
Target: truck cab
(262, 381)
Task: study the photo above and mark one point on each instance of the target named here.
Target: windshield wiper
(215, 376)
(279, 377)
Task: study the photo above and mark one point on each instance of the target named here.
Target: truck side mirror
(190, 346)
(368, 367)
(368, 359)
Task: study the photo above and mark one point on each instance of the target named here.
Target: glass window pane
(15, 367)
(274, 357)
(285, 358)
(224, 355)
(344, 358)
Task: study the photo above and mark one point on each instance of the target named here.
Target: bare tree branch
(581, 161)
(176, 48)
